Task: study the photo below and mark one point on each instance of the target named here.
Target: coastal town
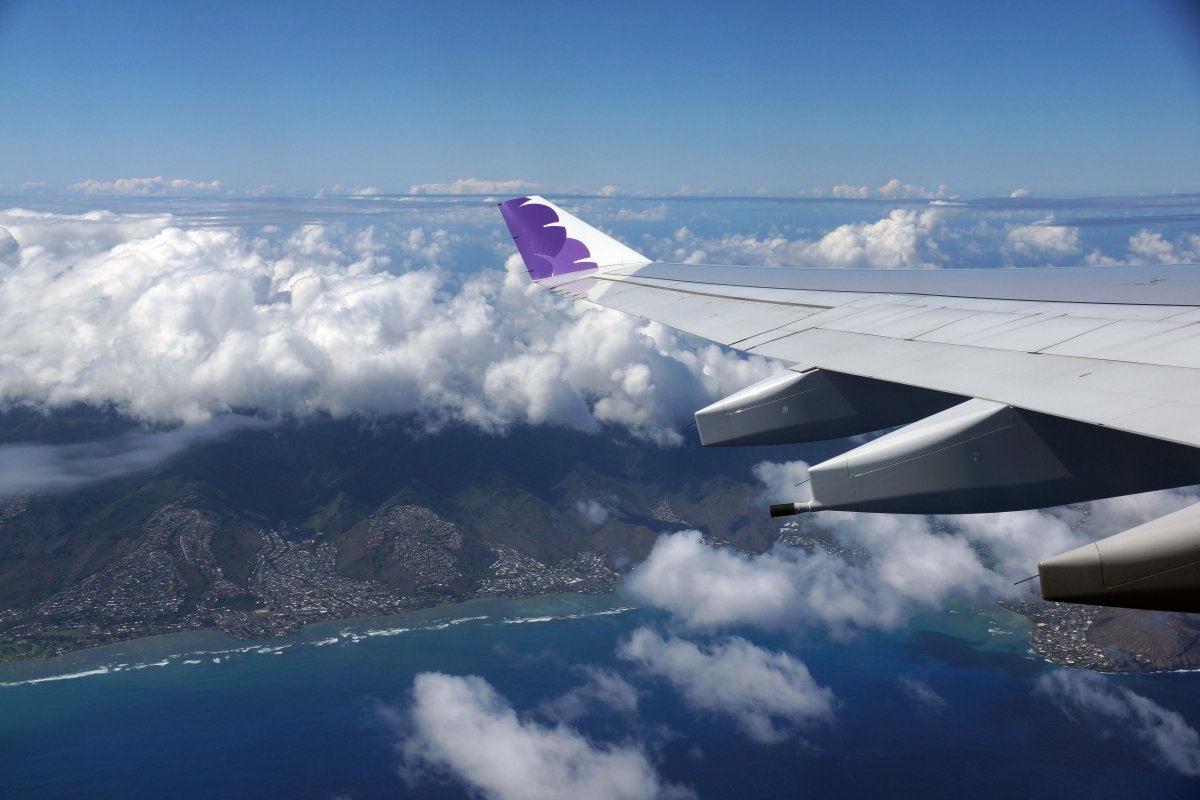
(1110, 639)
(1060, 634)
(172, 581)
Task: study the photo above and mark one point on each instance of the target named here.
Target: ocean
(199, 715)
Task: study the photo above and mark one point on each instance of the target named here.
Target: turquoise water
(199, 715)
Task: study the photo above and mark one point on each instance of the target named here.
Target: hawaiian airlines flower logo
(542, 240)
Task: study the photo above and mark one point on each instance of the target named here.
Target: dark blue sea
(199, 715)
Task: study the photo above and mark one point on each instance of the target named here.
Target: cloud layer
(176, 319)
(178, 324)
(33, 468)
(475, 186)
(141, 186)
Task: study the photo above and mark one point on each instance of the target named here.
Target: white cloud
(174, 324)
(156, 185)
(462, 727)
(1017, 540)
(921, 692)
(1115, 514)
(905, 238)
(593, 511)
(769, 694)
(1150, 247)
(711, 588)
(848, 191)
(1020, 193)
(897, 564)
(1044, 240)
(783, 480)
(474, 186)
(603, 689)
(656, 213)
(366, 191)
(895, 189)
(908, 567)
(34, 468)
(708, 588)
(890, 189)
(1104, 707)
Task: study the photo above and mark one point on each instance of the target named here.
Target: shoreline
(148, 651)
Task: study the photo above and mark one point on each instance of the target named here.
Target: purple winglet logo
(546, 248)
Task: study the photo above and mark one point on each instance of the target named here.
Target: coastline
(181, 646)
(1021, 628)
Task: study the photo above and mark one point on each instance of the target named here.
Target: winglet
(552, 242)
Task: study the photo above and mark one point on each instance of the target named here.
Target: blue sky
(1060, 98)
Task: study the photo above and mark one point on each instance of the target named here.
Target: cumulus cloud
(877, 569)
(474, 186)
(1044, 240)
(156, 185)
(902, 239)
(848, 191)
(35, 468)
(461, 727)
(890, 189)
(905, 238)
(711, 588)
(886, 566)
(1103, 706)
(908, 567)
(1151, 247)
(783, 479)
(176, 324)
(769, 694)
(1020, 193)
(896, 189)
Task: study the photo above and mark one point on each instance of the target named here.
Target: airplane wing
(1016, 388)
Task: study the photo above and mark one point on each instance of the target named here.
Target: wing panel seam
(713, 294)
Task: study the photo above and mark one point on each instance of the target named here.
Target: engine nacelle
(982, 456)
(813, 406)
(1155, 565)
